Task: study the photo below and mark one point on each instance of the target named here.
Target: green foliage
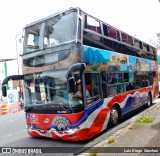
(111, 140)
(93, 153)
(156, 42)
(145, 120)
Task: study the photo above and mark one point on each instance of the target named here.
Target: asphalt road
(13, 134)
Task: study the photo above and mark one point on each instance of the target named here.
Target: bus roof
(77, 8)
(55, 14)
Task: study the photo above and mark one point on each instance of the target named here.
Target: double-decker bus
(117, 73)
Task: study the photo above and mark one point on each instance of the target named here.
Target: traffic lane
(13, 134)
(11, 125)
(39, 143)
(26, 141)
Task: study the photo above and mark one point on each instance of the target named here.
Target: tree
(156, 42)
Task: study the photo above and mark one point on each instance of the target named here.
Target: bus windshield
(51, 32)
(49, 89)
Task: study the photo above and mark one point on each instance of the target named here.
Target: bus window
(112, 90)
(152, 50)
(33, 42)
(93, 25)
(131, 76)
(119, 76)
(119, 88)
(145, 47)
(124, 37)
(34, 38)
(127, 38)
(114, 83)
(105, 30)
(112, 78)
(113, 33)
(136, 43)
(93, 86)
(50, 34)
(130, 40)
(104, 84)
(139, 79)
(126, 77)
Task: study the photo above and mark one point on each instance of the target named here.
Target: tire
(114, 117)
(149, 101)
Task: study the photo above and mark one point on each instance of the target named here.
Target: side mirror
(75, 67)
(5, 81)
(71, 85)
(4, 91)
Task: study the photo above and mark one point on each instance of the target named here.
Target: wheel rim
(114, 116)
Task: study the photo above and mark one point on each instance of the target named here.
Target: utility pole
(18, 40)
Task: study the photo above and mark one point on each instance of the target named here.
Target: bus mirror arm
(5, 82)
(71, 85)
(4, 91)
(75, 67)
(69, 75)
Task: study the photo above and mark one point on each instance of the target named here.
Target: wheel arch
(149, 98)
(116, 105)
(111, 118)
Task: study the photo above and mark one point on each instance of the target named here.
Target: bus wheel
(149, 100)
(114, 117)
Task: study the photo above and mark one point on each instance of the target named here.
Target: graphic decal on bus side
(60, 123)
(98, 60)
(100, 111)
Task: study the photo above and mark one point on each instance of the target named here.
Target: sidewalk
(137, 138)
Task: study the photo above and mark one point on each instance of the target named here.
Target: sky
(139, 18)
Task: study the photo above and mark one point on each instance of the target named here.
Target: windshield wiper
(68, 109)
(28, 108)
